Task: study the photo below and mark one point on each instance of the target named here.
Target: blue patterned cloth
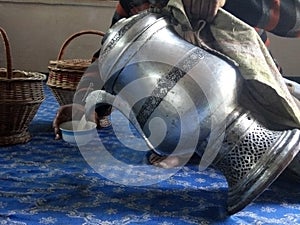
(47, 181)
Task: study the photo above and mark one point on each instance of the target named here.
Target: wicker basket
(64, 75)
(21, 94)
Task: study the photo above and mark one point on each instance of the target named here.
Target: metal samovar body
(185, 99)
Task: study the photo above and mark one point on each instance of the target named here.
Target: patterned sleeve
(280, 17)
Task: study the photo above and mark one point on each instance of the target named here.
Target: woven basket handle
(8, 54)
(67, 42)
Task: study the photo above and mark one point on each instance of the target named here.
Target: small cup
(72, 135)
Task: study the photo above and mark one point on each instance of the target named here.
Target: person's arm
(280, 17)
(90, 81)
(121, 11)
(127, 8)
(202, 9)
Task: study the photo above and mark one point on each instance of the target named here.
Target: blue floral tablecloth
(47, 181)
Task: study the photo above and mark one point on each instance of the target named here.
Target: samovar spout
(101, 97)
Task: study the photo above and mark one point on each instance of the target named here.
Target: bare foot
(168, 162)
(103, 122)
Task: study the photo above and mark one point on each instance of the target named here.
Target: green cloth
(241, 43)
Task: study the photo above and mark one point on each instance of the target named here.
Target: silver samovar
(185, 99)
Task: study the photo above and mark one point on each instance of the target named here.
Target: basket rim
(61, 87)
(56, 69)
(21, 102)
(28, 76)
(65, 61)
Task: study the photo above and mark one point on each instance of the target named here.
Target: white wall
(37, 29)
(287, 53)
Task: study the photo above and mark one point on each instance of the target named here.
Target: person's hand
(67, 113)
(202, 9)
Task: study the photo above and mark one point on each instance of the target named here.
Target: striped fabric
(281, 17)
